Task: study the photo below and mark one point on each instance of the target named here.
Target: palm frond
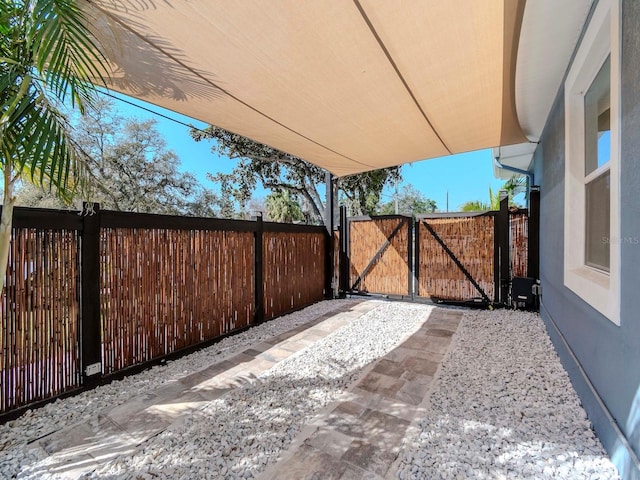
(48, 55)
(39, 146)
(64, 51)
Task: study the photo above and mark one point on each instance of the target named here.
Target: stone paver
(80, 448)
(360, 436)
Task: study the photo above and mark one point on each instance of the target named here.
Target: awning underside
(349, 86)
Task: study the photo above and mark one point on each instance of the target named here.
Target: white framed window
(592, 141)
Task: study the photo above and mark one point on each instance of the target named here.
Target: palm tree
(47, 56)
(475, 206)
(513, 186)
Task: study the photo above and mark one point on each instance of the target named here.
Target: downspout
(514, 170)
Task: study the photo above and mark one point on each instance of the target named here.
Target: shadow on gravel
(238, 435)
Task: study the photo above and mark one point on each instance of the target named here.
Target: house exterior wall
(603, 359)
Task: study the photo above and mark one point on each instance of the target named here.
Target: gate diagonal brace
(457, 262)
(378, 254)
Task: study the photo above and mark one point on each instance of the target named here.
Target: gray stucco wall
(607, 356)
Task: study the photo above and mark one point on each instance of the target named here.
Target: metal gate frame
(484, 299)
(502, 263)
(345, 253)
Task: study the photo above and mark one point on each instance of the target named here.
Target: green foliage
(475, 206)
(410, 202)
(279, 171)
(283, 207)
(129, 168)
(363, 191)
(48, 55)
(513, 186)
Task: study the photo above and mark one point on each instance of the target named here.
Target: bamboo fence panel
(336, 260)
(389, 274)
(471, 239)
(164, 290)
(39, 342)
(293, 271)
(519, 223)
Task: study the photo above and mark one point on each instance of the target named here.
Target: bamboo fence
(293, 271)
(389, 274)
(471, 240)
(39, 343)
(163, 290)
(335, 282)
(519, 223)
(168, 283)
(165, 284)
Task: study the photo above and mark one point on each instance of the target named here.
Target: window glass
(598, 217)
(597, 120)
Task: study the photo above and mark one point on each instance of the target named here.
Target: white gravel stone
(16, 436)
(502, 406)
(249, 427)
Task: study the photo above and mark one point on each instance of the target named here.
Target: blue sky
(466, 176)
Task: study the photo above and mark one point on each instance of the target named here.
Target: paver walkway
(358, 437)
(82, 447)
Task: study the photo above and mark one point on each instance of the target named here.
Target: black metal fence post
(503, 245)
(329, 215)
(90, 324)
(258, 272)
(344, 256)
(533, 255)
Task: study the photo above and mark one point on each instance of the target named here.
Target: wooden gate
(381, 254)
(455, 257)
(463, 257)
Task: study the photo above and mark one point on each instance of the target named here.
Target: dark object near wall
(524, 293)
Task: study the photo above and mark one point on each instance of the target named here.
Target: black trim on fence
(112, 219)
(381, 250)
(364, 218)
(488, 213)
(391, 297)
(90, 331)
(292, 228)
(533, 234)
(456, 261)
(46, 219)
(343, 279)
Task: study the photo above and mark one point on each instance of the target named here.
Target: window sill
(594, 287)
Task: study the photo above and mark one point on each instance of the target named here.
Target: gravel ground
(238, 435)
(503, 407)
(16, 435)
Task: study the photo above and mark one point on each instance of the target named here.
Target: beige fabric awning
(347, 85)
